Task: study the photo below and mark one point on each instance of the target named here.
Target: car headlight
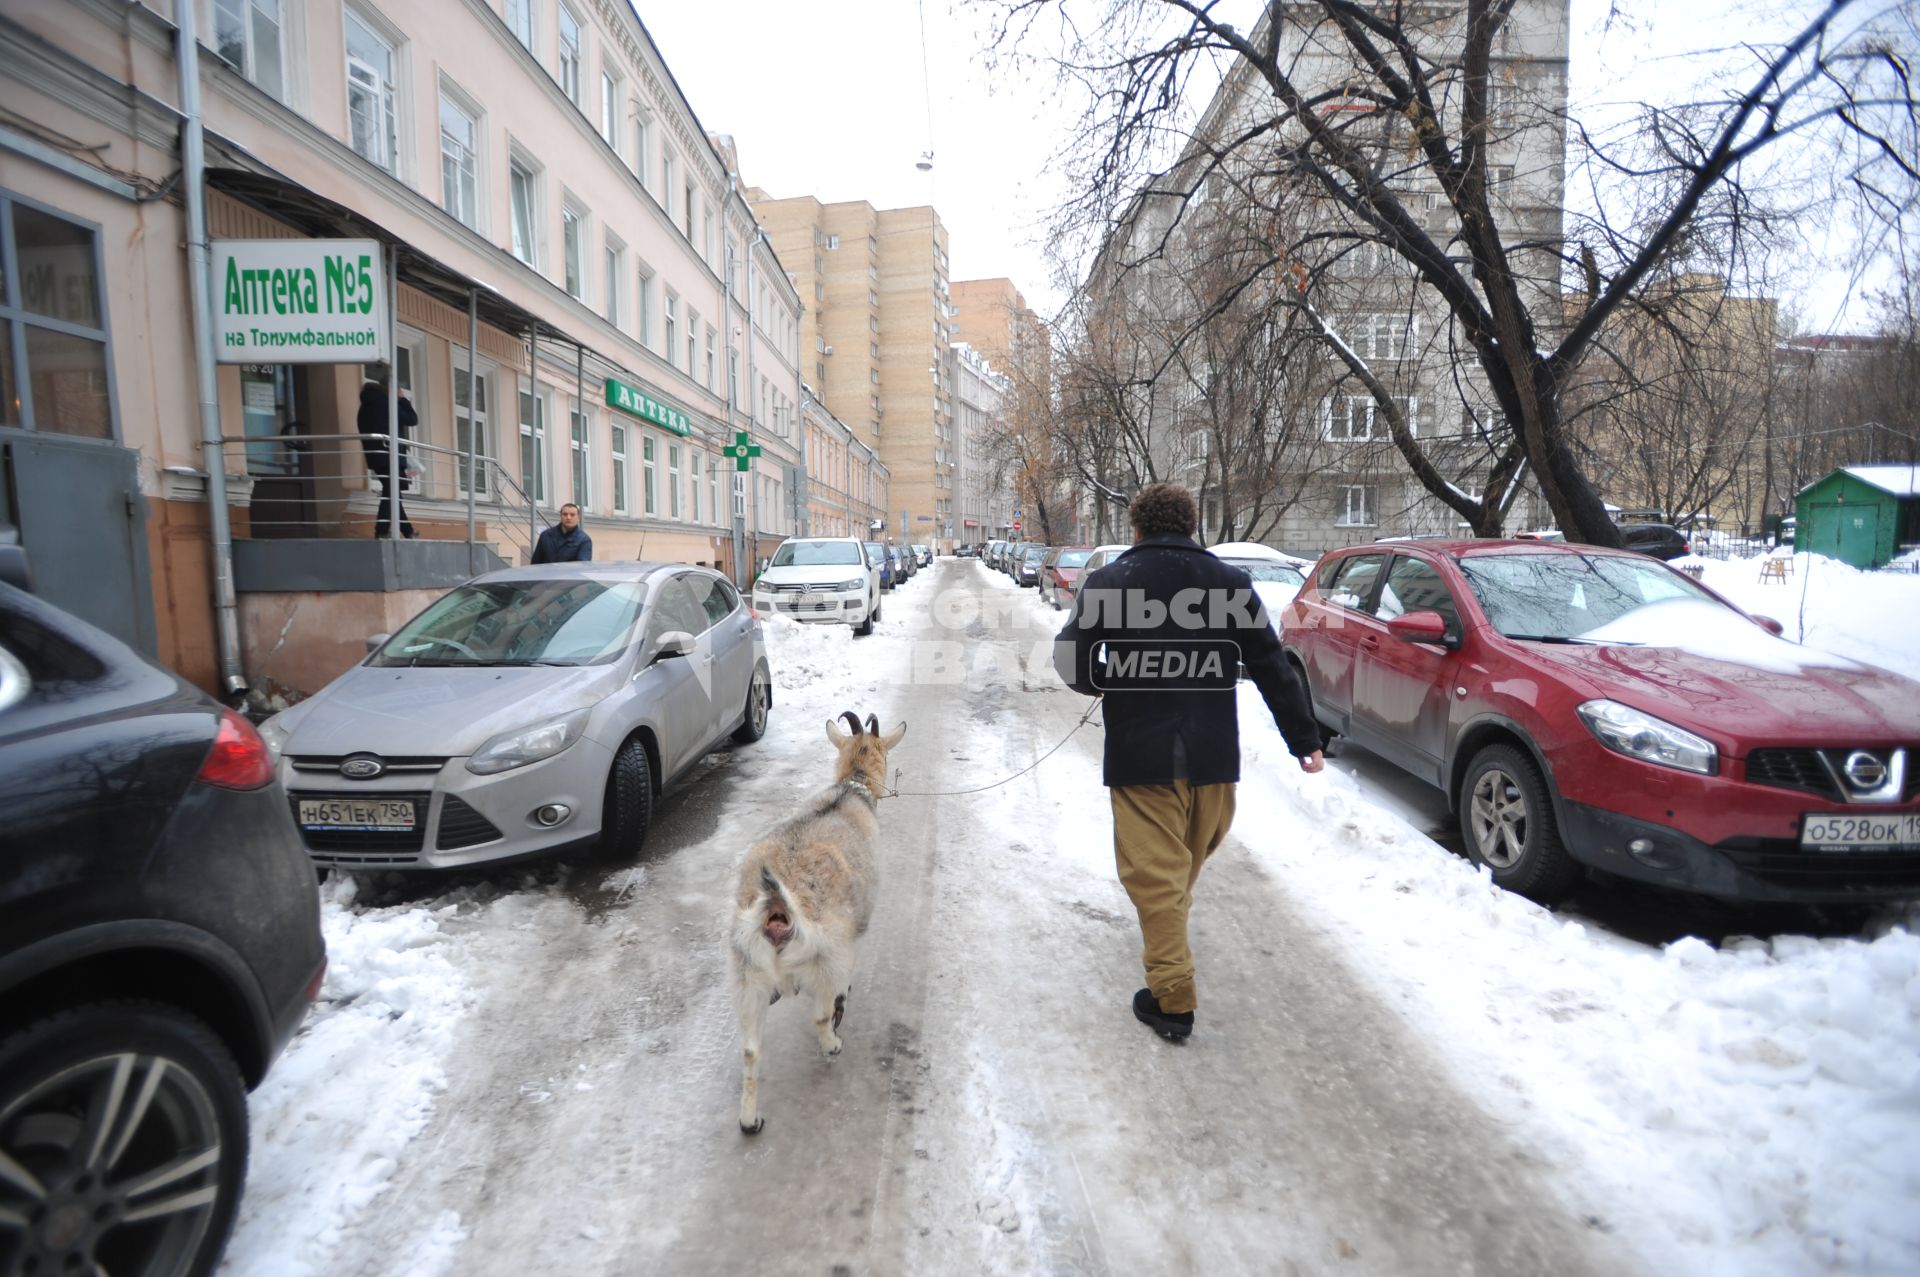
(274, 732)
(860, 584)
(528, 745)
(1626, 730)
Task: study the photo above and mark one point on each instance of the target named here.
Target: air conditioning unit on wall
(827, 351)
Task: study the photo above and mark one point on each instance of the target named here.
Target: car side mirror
(1770, 625)
(673, 643)
(1420, 627)
(375, 642)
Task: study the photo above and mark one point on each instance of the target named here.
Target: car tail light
(239, 758)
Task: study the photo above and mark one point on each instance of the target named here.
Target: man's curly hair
(1162, 509)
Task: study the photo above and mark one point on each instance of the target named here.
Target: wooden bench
(1776, 570)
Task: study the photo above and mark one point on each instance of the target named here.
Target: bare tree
(1369, 110)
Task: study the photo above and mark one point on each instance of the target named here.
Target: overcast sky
(828, 98)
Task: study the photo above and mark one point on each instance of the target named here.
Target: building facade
(579, 308)
(846, 486)
(876, 333)
(983, 479)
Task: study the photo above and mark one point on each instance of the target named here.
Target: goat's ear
(892, 738)
(836, 734)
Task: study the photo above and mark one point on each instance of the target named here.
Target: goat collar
(859, 783)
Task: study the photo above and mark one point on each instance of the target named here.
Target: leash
(981, 789)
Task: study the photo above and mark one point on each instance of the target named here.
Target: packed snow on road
(1748, 1108)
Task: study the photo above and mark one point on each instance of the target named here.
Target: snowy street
(1396, 1068)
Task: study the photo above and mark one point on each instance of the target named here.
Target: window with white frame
(520, 21)
(616, 270)
(618, 441)
(373, 129)
(1381, 336)
(673, 480)
(646, 473)
(733, 375)
(570, 56)
(672, 350)
(713, 358)
(533, 446)
(573, 248)
(643, 149)
(693, 329)
(523, 200)
(1479, 423)
(459, 163)
(612, 107)
(706, 234)
(643, 306)
(1351, 418)
(687, 210)
(472, 431)
(580, 446)
(1356, 507)
(713, 490)
(666, 180)
(693, 470)
(249, 36)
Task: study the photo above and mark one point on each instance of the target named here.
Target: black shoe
(1174, 1026)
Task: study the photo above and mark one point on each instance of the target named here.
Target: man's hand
(1316, 761)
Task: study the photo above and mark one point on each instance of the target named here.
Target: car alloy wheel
(759, 696)
(123, 1141)
(1507, 822)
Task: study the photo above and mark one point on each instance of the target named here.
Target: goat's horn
(853, 719)
(873, 724)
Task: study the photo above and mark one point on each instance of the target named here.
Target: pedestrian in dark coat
(568, 543)
(1160, 633)
(372, 423)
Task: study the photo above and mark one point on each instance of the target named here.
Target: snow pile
(1826, 604)
(1769, 1089)
(378, 1038)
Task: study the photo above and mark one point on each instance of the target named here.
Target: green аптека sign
(632, 399)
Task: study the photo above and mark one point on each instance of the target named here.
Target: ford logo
(1864, 771)
(362, 767)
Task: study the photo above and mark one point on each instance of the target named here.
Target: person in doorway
(1173, 738)
(568, 543)
(372, 424)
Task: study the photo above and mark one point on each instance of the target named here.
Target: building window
(643, 306)
(247, 35)
(610, 103)
(459, 144)
(687, 210)
(693, 327)
(694, 464)
(619, 433)
(523, 196)
(713, 358)
(643, 149)
(673, 326)
(673, 480)
(570, 55)
(53, 328)
(1356, 506)
(706, 234)
(1350, 418)
(573, 235)
(733, 375)
(1381, 336)
(372, 128)
(471, 416)
(582, 449)
(520, 21)
(713, 490)
(666, 180)
(533, 446)
(615, 260)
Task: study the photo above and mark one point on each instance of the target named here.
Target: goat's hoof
(758, 1124)
(831, 1048)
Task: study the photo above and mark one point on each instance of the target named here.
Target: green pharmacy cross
(743, 452)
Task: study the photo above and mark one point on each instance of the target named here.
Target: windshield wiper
(1549, 638)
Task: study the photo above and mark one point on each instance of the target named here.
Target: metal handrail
(307, 484)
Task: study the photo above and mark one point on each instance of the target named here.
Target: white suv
(821, 579)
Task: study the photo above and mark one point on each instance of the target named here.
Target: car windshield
(1566, 597)
(813, 554)
(1262, 570)
(1036, 552)
(559, 622)
(1073, 558)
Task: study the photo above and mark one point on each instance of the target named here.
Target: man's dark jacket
(372, 420)
(557, 545)
(1158, 736)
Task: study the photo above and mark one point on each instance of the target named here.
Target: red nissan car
(1589, 707)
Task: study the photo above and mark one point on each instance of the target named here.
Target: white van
(826, 579)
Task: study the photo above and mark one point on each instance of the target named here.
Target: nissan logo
(362, 767)
(1864, 771)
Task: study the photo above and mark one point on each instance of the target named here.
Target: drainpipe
(726, 332)
(193, 182)
(473, 380)
(393, 393)
(753, 475)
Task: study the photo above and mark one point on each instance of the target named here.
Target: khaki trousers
(1162, 835)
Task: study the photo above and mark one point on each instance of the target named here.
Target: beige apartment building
(845, 491)
(874, 342)
(506, 208)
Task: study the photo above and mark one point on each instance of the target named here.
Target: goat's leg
(827, 1006)
(752, 1001)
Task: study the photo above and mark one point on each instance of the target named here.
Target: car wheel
(759, 697)
(1506, 821)
(628, 807)
(123, 1133)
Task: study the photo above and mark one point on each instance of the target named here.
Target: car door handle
(1369, 640)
